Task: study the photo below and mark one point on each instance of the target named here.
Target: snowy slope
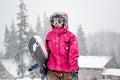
(11, 67)
(27, 78)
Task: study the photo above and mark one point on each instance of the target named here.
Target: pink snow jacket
(62, 46)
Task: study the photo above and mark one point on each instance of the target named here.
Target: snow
(84, 62)
(93, 61)
(114, 72)
(11, 66)
(26, 59)
(27, 78)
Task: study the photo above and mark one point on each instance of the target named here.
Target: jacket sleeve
(73, 53)
(46, 44)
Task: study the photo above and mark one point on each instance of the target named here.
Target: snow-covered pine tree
(1, 54)
(104, 43)
(13, 41)
(31, 32)
(94, 49)
(81, 41)
(23, 36)
(118, 56)
(6, 42)
(47, 25)
(38, 26)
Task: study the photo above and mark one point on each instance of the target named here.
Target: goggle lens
(57, 21)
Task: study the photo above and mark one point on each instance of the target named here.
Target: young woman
(62, 46)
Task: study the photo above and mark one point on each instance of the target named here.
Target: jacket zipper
(59, 47)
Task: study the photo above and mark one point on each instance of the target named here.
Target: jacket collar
(59, 30)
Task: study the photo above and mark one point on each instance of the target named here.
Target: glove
(74, 76)
(44, 72)
(30, 69)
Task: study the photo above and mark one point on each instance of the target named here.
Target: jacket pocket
(66, 45)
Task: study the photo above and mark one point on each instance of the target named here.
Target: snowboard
(38, 52)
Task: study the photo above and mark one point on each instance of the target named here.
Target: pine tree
(13, 41)
(6, 42)
(81, 41)
(23, 35)
(47, 25)
(1, 55)
(38, 26)
(31, 32)
(118, 56)
(94, 49)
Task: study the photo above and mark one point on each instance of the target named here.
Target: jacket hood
(60, 14)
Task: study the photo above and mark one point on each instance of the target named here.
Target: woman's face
(58, 25)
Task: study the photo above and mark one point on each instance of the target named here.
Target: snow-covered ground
(84, 61)
(11, 67)
(27, 78)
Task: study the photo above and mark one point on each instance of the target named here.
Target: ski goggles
(57, 21)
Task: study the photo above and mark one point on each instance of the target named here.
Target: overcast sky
(93, 15)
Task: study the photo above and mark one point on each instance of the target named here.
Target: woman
(62, 46)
